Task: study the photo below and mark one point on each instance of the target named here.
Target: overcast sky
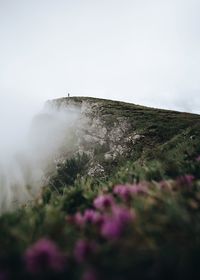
(142, 51)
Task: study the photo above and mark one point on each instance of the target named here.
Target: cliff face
(111, 132)
(103, 135)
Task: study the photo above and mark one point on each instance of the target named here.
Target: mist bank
(30, 148)
(108, 132)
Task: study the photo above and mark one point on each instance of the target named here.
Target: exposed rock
(97, 169)
(95, 133)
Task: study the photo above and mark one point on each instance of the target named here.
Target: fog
(141, 51)
(31, 141)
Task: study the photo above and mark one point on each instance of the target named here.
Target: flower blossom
(186, 180)
(198, 158)
(78, 219)
(111, 228)
(84, 249)
(123, 214)
(126, 192)
(103, 201)
(44, 255)
(115, 224)
(90, 216)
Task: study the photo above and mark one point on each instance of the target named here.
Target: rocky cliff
(111, 132)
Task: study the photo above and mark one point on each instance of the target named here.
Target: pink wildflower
(123, 214)
(98, 219)
(90, 216)
(78, 219)
(111, 228)
(44, 255)
(123, 191)
(84, 249)
(114, 224)
(198, 158)
(103, 201)
(186, 180)
(126, 192)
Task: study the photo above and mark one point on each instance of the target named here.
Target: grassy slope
(166, 220)
(169, 136)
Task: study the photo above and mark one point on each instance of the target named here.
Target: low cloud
(25, 163)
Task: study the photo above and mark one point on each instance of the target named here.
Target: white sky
(142, 51)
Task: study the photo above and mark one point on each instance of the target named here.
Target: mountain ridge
(116, 131)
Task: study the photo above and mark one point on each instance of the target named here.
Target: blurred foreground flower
(115, 224)
(185, 180)
(198, 158)
(126, 192)
(103, 201)
(84, 249)
(44, 255)
(90, 216)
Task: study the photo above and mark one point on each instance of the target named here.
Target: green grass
(168, 136)
(162, 242)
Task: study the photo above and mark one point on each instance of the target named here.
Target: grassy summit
(138, 134)
(126, 205)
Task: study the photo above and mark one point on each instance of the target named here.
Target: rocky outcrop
(102, 140)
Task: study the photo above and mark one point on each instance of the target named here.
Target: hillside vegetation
(124, 205)
(127, 132)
